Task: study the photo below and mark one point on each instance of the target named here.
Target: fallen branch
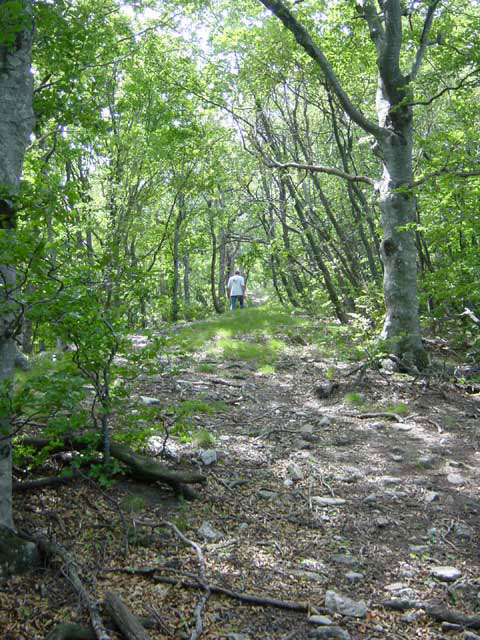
(380, 414)
(50, 549)
(140, 466)
(437, 612)
(202, 579)
(252, 599)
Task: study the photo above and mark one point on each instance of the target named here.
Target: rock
(463, 531)
(149, 401)
(208, 532)
(337, 603)
(294, 471)
(396, 458)
(389, 480)
(456, 479)
(266, 494)
(431, 496)
(426, 462)
(207, 456)
(334, 632)
(370, 499)
(238, 636)
(381, 523)
(306, 429)
(401, 426)
(309, 575)
(325, 390)
(353, 576)
(344, 558)
(446, 574)
(324, 421)
(327, 502)
(320, 620)
(469, 635)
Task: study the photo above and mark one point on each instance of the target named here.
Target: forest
(308, 465)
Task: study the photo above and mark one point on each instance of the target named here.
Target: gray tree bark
(16, 124)
(393, 135)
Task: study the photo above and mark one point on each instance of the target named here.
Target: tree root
(437, 612)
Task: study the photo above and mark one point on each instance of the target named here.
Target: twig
(380, 414)
(252, 599)
(202, 579)
(50, 548)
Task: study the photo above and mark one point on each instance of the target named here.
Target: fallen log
(128, 624)
(435, 611)
(138, 465)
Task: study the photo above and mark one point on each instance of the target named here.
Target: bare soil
(410, 485)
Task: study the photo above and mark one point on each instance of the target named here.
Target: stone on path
(149, 401)
(207, 532)
(294, 471)
(327, 502)
(456, 478)
(335, 632)
(337, 603)
(447, 574)
(401, 426)
(354, 576)
(266, 494)
(320, 620)
(207, 456)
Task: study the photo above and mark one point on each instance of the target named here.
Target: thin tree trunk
(16, 124)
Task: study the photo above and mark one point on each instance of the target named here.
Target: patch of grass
(267, 369)
(262, 353)
(191, 407)
(204, 367)
(354, 399)
(204, 439)
(401, 408)
(258, 323)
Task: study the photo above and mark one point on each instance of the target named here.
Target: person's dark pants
(233, 302)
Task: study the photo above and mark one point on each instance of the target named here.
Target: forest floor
(370, 492)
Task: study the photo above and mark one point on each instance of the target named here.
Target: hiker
(236, 290)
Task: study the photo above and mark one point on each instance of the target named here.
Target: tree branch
(319, 169)
(304, 39)
(423, 40)
(439, 172)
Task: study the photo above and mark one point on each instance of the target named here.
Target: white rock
(401, 426)
(456, 478)
(149, 401)
(327, 502)
(336, 603)
(321, 620)
(207, 456)
(294, 471)
(448, 574)
(208, 532)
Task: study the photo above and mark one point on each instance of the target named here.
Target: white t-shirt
(236, 284)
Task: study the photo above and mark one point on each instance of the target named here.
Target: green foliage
(203, 439)
(354, 399)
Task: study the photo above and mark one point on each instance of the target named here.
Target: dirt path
(401, 500)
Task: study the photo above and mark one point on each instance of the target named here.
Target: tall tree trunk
(393, 135)
(16, 125)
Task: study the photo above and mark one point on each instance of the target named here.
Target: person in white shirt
(236, 290)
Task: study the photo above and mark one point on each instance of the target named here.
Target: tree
(16, 124)
(393, 136)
